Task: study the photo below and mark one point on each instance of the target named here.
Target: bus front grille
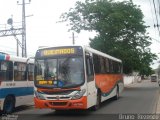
(59, 98)
(58, 103)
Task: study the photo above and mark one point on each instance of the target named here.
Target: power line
(158, 7)
(17, 31)
(24, 46)
(151, 11)
(152, 14)
(155, 40)
(156, 17)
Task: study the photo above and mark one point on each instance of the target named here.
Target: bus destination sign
(59, 51)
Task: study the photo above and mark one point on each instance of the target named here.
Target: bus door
(30, 75)
(91, 87)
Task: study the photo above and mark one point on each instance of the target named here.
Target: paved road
(138, 98)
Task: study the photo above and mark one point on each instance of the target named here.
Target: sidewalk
(158, 105)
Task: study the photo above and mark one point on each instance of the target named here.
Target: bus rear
(154, 78)
(60, 78)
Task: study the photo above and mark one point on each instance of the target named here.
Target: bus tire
(116, 97)
(98, 101)
(9, 104)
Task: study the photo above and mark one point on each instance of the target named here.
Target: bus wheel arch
(116, 97)
(9, 104)
(98, 100)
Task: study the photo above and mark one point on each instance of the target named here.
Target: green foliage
(120, 31)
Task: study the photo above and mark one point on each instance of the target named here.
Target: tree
(120, 31)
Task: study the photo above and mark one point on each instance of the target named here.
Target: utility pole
(24, 49)
(24, 44)
(73, 40)
(18, 31)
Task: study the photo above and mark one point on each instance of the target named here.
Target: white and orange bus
(75, 77)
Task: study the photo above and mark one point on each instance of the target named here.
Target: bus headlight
(39, 95)
(79, 94)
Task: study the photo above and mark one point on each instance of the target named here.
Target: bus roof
(8, 57)
(89, 49)
(154, 75)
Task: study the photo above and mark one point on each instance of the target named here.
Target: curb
(158, 105)
(129, 85)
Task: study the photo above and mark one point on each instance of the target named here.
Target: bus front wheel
(116, 97)
(9, 104)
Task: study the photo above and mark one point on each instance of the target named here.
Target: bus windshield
(59, 73)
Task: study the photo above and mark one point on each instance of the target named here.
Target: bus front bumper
(61, 104)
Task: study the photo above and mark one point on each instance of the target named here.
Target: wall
(131, 79)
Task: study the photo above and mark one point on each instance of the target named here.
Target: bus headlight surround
(79, 94)
(39, 95)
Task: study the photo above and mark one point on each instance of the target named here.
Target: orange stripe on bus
(62, 104)
(106, 82)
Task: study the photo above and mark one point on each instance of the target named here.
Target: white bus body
(16, 82)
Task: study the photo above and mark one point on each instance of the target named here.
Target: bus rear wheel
(9, 104)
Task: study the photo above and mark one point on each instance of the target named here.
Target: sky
(43, 29)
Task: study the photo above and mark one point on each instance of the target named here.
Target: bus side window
(97, 66)
(102, 64)
(107, 65)
(6, 70)
(110, 66)
(10, 70)
(89, 68)
(20, 73)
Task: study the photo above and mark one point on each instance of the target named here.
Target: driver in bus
(52, 72)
